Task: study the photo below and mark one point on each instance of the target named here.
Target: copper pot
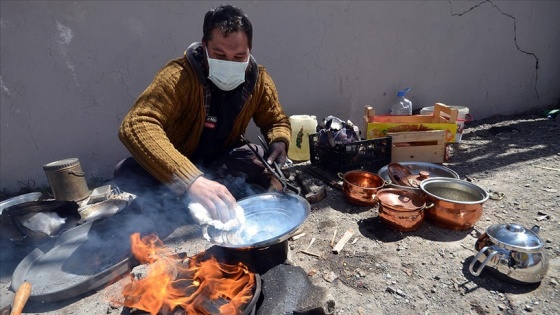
(360, 187)
(457, 204)
(401, 209)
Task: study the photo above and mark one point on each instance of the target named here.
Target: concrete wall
(70, 70)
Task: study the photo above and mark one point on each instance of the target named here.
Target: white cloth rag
(202, 217)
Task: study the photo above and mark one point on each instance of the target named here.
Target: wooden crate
(419, 146)
(442, 114)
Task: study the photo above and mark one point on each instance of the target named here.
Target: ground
(381, 271)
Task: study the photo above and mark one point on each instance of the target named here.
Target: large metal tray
(79, 260)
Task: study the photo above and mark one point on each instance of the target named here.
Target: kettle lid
(515, 235)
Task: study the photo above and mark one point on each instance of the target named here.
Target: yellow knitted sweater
(164, 126)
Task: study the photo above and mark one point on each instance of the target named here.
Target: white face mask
(226, 75)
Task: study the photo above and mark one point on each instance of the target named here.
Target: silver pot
(512, 253)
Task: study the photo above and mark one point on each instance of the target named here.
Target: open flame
(199, 287)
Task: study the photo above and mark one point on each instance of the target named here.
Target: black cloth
(238, 169)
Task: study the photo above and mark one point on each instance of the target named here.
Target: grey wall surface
(70, 70)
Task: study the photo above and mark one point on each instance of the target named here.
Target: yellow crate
(443, 118)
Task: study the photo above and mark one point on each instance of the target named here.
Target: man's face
(234, 47)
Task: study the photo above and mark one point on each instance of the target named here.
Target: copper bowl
(360, 187)
(401, 209)
(457, 204)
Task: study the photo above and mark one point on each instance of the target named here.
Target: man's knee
(131, 177)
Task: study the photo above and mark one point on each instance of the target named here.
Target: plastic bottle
(402, 106)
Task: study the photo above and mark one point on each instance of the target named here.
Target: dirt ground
(381, 271)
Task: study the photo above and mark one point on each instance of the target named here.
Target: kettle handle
(475, 259)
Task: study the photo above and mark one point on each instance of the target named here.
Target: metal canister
(67, 180)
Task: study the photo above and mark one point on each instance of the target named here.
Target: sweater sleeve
(269, 116)
(143, 130)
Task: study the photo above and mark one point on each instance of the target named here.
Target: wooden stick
(347, 235)
(295, 237)
(22, 294)
(548, 168)
(333, 237)
(310, 243)
(310, 254)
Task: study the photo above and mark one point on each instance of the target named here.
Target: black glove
(277, 153)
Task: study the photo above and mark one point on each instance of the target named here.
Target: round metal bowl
(270, 218)
(457, 204)
(415, 168)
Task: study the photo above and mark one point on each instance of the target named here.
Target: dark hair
(228, 19)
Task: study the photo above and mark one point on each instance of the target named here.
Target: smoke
(235, 181)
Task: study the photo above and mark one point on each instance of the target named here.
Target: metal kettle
(511, 252)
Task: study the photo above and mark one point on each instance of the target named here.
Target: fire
(199, 287)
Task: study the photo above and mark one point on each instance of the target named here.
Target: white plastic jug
(302, 127)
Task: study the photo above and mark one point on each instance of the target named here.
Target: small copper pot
(401, 209)
(457, 204)
(360, 187)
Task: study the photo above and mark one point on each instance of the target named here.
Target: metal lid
(398, 173)
(401, 199)
(58, 165)
(515, 236)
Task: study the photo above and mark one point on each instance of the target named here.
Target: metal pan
(101, 210)
(33, 196)
(80, 259)
(270, 218)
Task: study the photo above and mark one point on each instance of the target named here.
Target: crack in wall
(514, 35)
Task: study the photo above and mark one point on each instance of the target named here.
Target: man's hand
(213, 196)
(277, 153)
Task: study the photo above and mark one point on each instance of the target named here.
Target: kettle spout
(536, 229)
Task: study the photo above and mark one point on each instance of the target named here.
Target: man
(185, 128)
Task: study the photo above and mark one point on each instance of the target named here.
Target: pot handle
(475, 259)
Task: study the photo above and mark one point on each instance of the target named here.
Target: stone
(287, 290)
(330, 276)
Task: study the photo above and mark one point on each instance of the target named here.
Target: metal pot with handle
(512, 253)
